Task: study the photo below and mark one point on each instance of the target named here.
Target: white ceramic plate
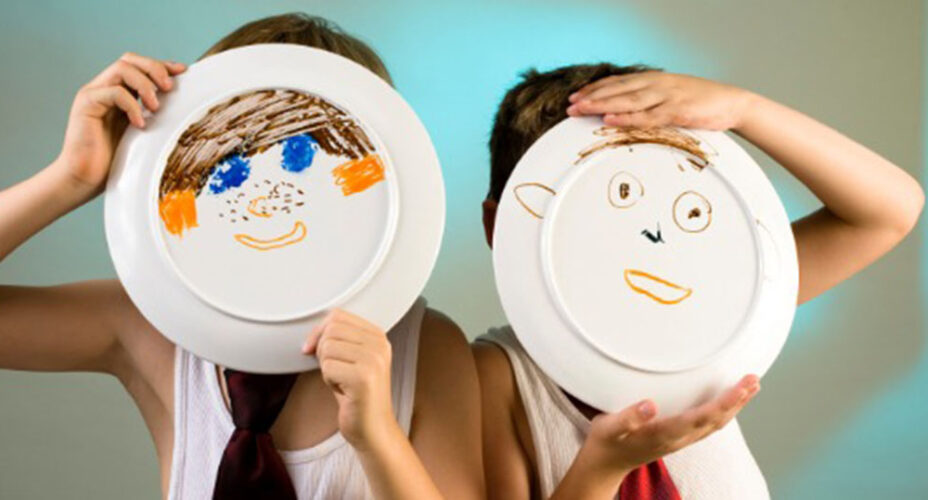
(275, 183)
(635, 264)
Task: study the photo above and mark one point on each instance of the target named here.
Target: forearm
(857, 185)
(589, 477)
(394, 470)
(29, 206)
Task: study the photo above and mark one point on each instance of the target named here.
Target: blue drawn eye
(298, 153)
(231, 172)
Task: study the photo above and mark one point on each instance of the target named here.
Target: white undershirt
(720, 467)
(330, 469)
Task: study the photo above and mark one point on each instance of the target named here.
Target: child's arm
(441, 459)
(617, 444)
(73, 327)
(620, 442)
(870, 204)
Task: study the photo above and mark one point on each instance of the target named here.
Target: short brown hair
(537, 103)
(303, 29)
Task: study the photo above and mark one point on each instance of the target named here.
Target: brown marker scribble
(516, 189)
(616, 136)
(693, 212)
(251, 123)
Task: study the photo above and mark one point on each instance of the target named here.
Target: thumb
(312, 340)
(630, 419)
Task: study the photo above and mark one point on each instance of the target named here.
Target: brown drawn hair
(250, 123)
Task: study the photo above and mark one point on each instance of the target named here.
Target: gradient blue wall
(841, 414)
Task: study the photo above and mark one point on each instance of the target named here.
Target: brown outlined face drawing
(690, 211)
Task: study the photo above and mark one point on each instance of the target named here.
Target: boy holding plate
(539, 440)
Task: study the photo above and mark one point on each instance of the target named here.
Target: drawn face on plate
(272, 203)
(646, 247)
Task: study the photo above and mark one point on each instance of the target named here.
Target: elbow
(912, 201)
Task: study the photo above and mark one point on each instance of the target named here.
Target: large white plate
(275, 183)
(644, 264)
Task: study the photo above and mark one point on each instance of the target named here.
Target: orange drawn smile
(294, 236)
(658, 289)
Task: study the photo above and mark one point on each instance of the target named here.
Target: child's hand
(632, 437)
(656, 99)
(100, 111)
(354, 357)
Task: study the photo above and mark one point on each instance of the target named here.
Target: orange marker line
(297, 234)
(252, 208)
(635, 272)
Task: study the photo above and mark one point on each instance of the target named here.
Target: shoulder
(444, 356)
(497, 382)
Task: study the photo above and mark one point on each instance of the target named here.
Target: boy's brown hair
(533, 106)
(302, 29)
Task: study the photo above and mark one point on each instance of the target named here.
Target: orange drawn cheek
(178, 211)
(357, 175)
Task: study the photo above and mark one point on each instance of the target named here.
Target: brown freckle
(220, 215)
(232, 211)
(244, 217)
(267, 181)
(299, 203)
(693, 213)
(299, 191)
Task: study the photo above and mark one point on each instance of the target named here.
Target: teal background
(842, 413)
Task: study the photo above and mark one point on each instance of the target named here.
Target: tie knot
(257, 399)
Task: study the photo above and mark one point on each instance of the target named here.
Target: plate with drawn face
(276, 193)
(644, 263)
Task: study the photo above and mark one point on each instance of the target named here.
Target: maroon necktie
(251, 467)
(649, 482)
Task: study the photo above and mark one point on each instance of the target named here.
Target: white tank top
(330, 469)
(719, 467)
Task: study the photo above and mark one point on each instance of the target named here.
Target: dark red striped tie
(649, 482)
(251, 467)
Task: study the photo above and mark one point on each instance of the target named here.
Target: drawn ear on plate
(534, 197)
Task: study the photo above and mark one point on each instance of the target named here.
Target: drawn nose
(653, 237)
(258, 207)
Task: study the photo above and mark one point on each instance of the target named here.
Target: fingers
(134, 79)
(611, 85)
(620, 102)
(341, 325)
(108, 97)
(338, 374)
(650, 118)
(160, 72)
(130, 76)
(697, 423)
(631, 419)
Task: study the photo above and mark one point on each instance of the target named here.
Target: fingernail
(573, 97)
(571, 110)
(646, 409)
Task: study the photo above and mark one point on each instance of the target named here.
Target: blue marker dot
(298, 153)
(231, 172)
